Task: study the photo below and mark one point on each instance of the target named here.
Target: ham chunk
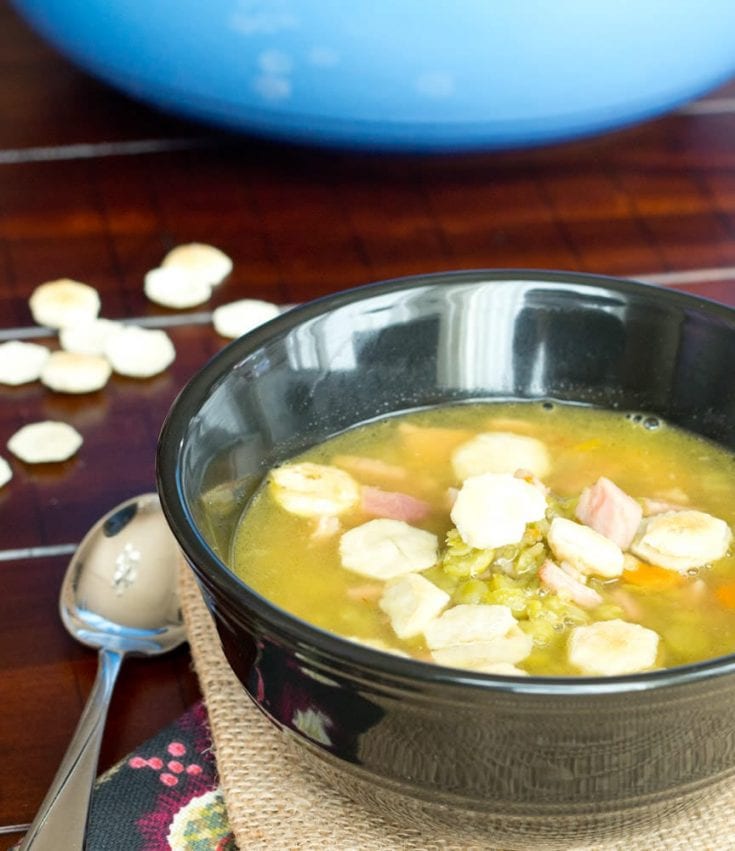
(397, 506)
(561, 582)
(608, 510)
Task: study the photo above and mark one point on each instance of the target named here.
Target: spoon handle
(64, 810)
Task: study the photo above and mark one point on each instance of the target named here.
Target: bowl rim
(326, 646)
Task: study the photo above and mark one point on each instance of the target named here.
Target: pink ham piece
(562, 582)
(393, 505)
(610, 511)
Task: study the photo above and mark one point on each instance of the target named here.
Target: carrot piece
(726, 595)
(653, 577)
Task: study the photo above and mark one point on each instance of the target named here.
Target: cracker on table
(238, 317)
(175, 287)
(204, 263)
(70, 372)
(45, 442)
(6, 474)
(21, 363)
(57, 304)
(88, 337)
(139, 352)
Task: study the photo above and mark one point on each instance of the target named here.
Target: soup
(508, 538)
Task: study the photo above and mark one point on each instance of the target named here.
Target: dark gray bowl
(544, 759)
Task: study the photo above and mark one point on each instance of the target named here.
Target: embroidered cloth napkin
(165, 795)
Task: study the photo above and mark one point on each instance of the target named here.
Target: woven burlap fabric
(275, 801)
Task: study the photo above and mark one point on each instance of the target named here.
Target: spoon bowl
(119, 595)
(119, 591)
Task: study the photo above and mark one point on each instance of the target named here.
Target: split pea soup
(507, 538)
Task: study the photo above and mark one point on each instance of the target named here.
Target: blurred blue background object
(401, 74)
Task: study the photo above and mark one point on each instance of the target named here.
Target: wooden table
(96, 187)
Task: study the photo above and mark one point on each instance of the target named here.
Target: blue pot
(401, 74)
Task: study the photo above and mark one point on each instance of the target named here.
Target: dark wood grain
(51, 103)
(648, 200)
(46, 676)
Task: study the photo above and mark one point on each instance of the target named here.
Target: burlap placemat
(275, 801)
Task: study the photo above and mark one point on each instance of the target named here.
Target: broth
(545, 591)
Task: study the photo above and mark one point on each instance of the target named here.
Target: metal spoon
(119, 594)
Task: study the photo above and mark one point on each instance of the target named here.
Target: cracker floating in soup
(505, 538)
